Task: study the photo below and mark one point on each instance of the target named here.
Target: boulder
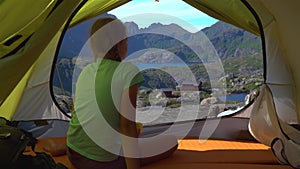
(210, 100)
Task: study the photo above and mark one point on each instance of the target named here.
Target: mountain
(239, 51)
(171, 29)
(76, 37)
(231, 41)
(227, 40)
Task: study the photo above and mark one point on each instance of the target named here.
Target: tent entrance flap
(14, 67)
(233, 12)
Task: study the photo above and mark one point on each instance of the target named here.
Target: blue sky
(145, 12)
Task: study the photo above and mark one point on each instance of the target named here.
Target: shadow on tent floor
(212, 154)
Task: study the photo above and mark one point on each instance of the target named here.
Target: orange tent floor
(194, 154)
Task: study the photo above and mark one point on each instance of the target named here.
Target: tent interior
(263, 134)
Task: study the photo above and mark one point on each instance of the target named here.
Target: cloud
(172, 8)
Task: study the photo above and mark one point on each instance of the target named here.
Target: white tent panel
(260, 122)
(285, 31)
(278, 71)
(36, 102)
(283, 97)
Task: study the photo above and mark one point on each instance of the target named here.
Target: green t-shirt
(94, 127)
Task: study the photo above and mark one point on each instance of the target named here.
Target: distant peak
(130, 22)
(155, 25)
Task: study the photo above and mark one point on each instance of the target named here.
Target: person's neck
(111, 57)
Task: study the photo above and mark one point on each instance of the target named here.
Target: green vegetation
(174, 105)
(243, 65)
(157, 79)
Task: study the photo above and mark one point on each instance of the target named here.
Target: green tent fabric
(13, 67)
(39, 14)
(31, 30)
(280, 45)
(93, 8)
(41, 28)
(15, 30)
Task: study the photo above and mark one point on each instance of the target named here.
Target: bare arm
(128, 127)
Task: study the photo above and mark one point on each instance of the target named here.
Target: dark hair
(105, 34)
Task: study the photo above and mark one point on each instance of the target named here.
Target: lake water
(240, 97)
(143, 66)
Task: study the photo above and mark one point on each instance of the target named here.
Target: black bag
(40, 161)
(13, 142)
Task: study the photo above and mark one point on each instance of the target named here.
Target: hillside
(228, 41)
(239, 51)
